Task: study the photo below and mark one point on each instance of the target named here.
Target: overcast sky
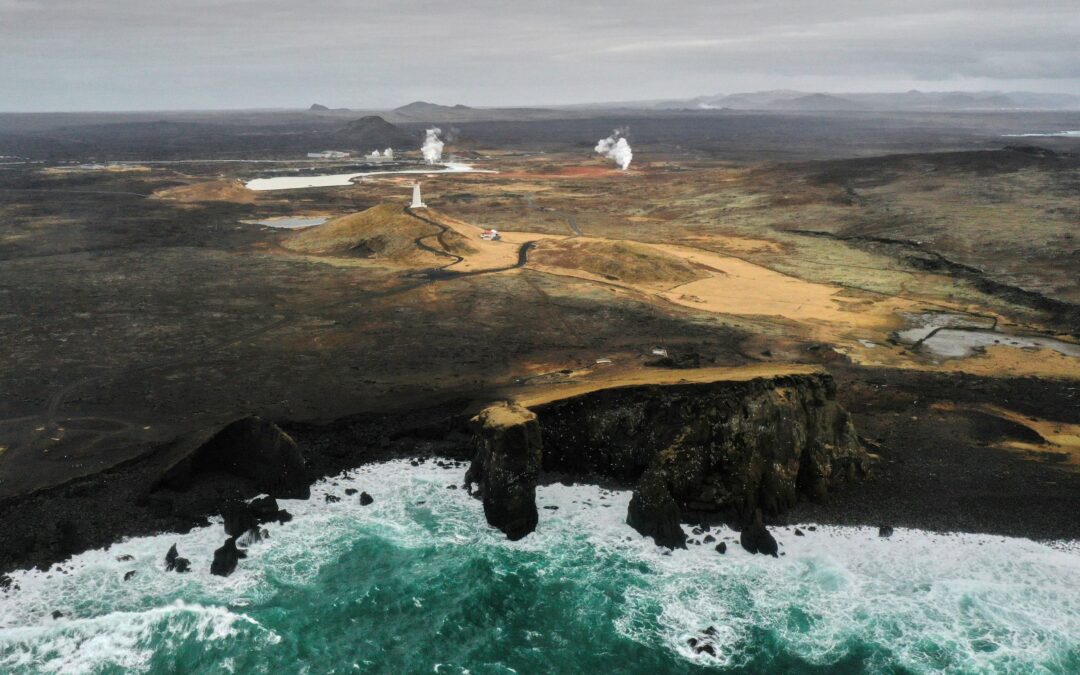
(184, 54)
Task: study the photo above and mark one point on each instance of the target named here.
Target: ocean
(418, 583)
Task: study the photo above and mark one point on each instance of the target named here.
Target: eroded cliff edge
(716, 449)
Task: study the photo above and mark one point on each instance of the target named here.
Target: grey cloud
(63, 54)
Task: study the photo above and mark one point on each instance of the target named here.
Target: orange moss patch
(614, 260)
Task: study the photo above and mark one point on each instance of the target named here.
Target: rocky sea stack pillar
(506, 466)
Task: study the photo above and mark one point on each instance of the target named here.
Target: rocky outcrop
(250, 448)
(173, 561)
(756, 538)
(506, 466)
(225, 558)
(727, 447)
(654, 513)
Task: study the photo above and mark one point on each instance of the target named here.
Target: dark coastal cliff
(726, 448)
(506, 466)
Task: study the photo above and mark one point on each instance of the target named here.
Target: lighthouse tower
(417, 203)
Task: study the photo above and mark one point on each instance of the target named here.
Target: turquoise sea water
(417, 583)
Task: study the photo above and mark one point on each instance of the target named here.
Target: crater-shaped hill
(383, 232)
(374, 133)
(617, 260)
(212, 191)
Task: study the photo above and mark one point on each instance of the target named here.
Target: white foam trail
(433, 147)
(989, 603)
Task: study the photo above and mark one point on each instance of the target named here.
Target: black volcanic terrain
(925, 263)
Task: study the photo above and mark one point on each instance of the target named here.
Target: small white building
(490, 235)
(328, 154)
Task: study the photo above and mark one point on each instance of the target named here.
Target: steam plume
(432, 145)
(615, 148)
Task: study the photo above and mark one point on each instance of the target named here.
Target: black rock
(692, 642)
(885, 531)
(5, 582)
(170, 558)
(225, 558)
(57, 614)
(551, 507)
(250, 448)
(265, 509)
(708, 539)
(351, 491)
(182, 565)
(506, 466)
(239, 518)
(654, 513)
(721, 548)
(812, 528)
(710, 631)
(332, 499)
(705, 649)
(756, 538)
(284, 516)
(124, 558)
(799, 533)
(365, 499)
(128, 575)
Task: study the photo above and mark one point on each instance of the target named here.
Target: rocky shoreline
(695, 453)
(724, 450)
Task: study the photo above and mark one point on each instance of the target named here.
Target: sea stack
(506, 466)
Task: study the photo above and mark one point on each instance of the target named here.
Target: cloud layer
(140, 54)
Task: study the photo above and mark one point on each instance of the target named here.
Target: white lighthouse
(417, 203)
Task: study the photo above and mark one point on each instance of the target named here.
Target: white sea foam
(990, 603)
(345, 179)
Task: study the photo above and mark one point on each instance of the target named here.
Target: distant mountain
(818, 103)
(317, 107)
(374, 133)
(914, 100)
(422, 111)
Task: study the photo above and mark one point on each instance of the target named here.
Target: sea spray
(418, 580)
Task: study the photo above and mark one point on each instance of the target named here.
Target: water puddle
(289, 222)
(954, 336)
(346, 179)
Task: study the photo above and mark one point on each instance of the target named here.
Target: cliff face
(727, 447)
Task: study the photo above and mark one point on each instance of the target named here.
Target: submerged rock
(506, 466)
(365, 499)
(756, 538)
(225, 558)
(129, 575)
